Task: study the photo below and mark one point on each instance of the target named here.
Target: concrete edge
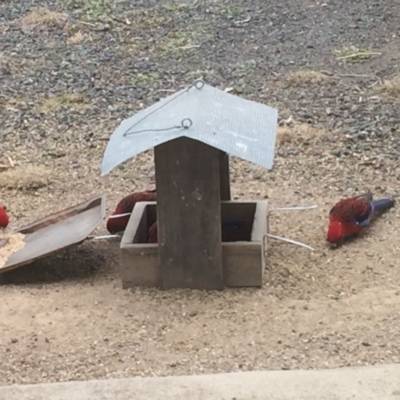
(380, 382)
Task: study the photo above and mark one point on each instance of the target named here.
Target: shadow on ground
(77, 263)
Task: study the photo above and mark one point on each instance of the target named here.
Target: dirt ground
(72, 70)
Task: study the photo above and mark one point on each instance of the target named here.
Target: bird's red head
(3, 217)
(335, 232)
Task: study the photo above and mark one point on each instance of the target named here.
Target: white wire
(290, 241)
(268, 234)
(119, 215)
(104, 237)
(294, 208)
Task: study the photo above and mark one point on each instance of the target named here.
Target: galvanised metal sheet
(58, 232)
(240, 127)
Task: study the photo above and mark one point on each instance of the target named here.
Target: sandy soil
(70, 75)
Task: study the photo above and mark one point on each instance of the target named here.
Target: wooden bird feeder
(192, 133)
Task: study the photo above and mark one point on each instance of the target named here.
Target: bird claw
(335, 245)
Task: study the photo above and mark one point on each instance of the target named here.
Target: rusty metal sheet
(58, 232)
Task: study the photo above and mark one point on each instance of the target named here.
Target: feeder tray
(57, 232)
(243, 248)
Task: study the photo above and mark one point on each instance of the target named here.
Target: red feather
(349, 209)
(153, 234)
(343, 215)
(3, 217)
(126, 205)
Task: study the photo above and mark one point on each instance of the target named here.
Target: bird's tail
(383, 204)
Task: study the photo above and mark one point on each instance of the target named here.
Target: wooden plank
(188, 214)
(260, 223)
(140, 267)
(243, 262)
(139, 260)
(136, 230)
(242, 265)
(224, 176)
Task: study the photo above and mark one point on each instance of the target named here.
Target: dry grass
(76, 38)
(354, 54)
(229, 10)
(176, 6)
(298, 133)
(70, 100)
(97, 10)
(145, 79)
(146, 21)
(12, 65)
(26, 178)
(391, 88)
(14, 103)
(40, 16)
(303, 77)
(177, 44)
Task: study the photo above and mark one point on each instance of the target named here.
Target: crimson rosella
(351, 216)
(3, 217)
(125, 206)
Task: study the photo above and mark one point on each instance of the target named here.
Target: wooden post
(189, 214)
(224, 176)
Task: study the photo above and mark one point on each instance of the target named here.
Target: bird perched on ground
(3, 217)
(351, 216)
(116, 223)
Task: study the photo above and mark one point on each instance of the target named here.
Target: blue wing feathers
(383, 204)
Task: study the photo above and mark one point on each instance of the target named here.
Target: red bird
(153, 234)
(3, 217)
(125, 206)
(351, 216)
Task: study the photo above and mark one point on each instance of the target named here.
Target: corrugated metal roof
(240, 127)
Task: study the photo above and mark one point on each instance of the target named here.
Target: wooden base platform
(243, 251)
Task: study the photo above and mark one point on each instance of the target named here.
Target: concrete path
(361, 383)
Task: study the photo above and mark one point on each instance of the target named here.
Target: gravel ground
(71, 70)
